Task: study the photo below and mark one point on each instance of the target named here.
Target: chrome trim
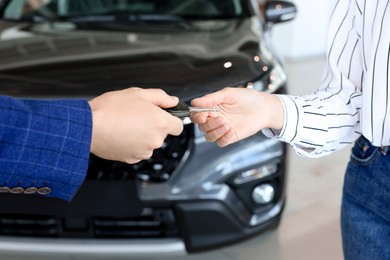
(256, 173)
(85, 247)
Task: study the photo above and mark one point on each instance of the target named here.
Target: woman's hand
(243, 112)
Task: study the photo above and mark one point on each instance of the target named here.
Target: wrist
(275, 112)
(94, 128)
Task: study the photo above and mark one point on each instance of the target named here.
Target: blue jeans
(365, 213)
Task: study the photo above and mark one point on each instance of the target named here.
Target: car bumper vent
(155, 224)
(152, 223)
(158, 168)
(28, 226)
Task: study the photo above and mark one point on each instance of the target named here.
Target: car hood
(60, 59)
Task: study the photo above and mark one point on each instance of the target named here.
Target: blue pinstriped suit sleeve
(45, 144)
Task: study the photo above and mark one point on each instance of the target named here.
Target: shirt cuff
(291, 119)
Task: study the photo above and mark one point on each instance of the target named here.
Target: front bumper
(198, 235)
(104, 249)
(193, 211)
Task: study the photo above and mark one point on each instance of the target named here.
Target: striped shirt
(353, 98)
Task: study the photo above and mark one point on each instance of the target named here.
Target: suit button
(44, 190)
(31, 190)
(17, 190)
(4, 189)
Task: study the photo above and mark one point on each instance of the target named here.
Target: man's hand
(129, 124)
(243, 112)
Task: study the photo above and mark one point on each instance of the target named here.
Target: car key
(182, 110)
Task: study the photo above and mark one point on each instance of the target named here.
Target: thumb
(213, 99)
(161, 98)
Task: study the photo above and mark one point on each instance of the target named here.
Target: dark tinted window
(24, 9)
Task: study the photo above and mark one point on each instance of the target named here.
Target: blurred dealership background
(305, 36)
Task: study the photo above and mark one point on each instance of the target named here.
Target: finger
(227, 139)
(217, 133)
(211, 124)
(175, 125)
(132, 160)
(143, 156)
(199, 118)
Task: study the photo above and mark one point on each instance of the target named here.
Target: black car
(191, 195)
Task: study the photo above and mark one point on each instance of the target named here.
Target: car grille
(19, 225)
(158, 168)
(159, 224)
(152, 223)
(106, 220)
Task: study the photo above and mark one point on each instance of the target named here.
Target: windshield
(106, 9)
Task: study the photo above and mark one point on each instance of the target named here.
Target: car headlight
(271, 82)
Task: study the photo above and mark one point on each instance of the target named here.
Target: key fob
(181, 110)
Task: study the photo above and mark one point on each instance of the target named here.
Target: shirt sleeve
(329, 119)
(44, 145)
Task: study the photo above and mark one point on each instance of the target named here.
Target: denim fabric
(45, 144)
(365, 214)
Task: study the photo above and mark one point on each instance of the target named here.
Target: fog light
(263, 194)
